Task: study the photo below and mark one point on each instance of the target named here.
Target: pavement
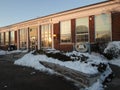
(13, 77)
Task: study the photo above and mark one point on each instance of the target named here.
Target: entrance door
(46, 36)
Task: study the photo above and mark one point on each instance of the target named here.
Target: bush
(98, 47)
(59, 56)
(112, 50)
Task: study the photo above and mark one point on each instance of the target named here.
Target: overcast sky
(14, 11)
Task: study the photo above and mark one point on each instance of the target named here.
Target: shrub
(59, 56)
(112, 50)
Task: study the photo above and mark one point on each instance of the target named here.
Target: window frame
(84, 33)
(23, 30)
(109, 30)
(61, 42)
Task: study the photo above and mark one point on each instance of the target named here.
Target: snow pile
(113, 50)
(31, 60)
(96, 86)
(2, 52)
(115, 61)
(113, 45)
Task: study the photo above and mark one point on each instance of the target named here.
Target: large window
(46, 36)
(103, 27)
(23, 38)
(6, 38)
(2, 38)
(82, 28)
(65, 31)
(12, 37)
(33, 33)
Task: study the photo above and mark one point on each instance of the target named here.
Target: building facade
(66, 30)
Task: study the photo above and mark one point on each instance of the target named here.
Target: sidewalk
(115, 84)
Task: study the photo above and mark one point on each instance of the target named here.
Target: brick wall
(73, 30)
(56, 29)
(116, 26)
(91, 29)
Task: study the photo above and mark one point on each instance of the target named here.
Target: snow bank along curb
(83, 79)
(88, 67)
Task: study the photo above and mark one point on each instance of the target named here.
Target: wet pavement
(115, 84)
(13, 77)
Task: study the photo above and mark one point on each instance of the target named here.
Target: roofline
(58, 13)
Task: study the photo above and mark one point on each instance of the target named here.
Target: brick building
(66, 30)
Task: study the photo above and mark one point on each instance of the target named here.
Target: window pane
(12, 37)
(103, 27)
(2, 38)
(23, 38)
(82, 28)
(65, 31)
(46, 36)
(6, 38)
(33, 32)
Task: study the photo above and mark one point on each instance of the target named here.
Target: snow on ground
(114, 48)
(115, 45)
(2, 52)
(31, 60)
(115, 61)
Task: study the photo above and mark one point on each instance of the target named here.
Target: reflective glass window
(6, 38)
(46, 36)
(2, 38)
(33, 35)
(103, 27)
(82, 28)
(12, 37)
(23, 38)
(65, 31)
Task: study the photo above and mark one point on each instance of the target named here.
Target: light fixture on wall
(90, 18)
(54, 35)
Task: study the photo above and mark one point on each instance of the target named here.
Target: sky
(14, 11)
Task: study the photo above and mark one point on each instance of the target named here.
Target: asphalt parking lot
(13, 77)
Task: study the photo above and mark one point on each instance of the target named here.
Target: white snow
(33, 61)
(2, 52)
(30, 60)
(96, 86)
(115, 61)
(116, 46)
